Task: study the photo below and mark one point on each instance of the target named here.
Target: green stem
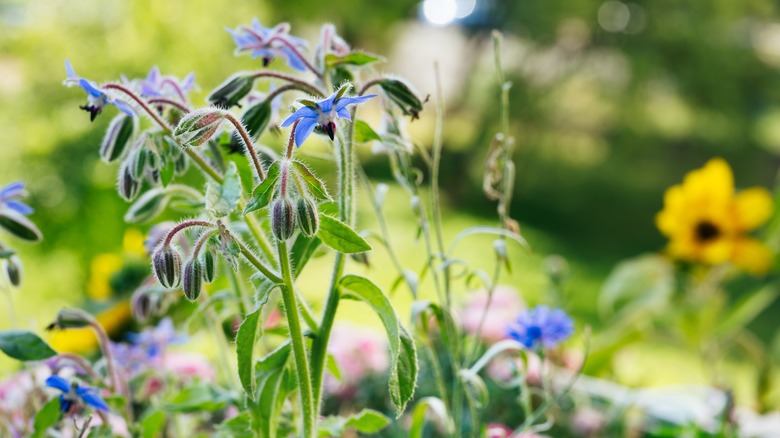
(299, 348)
(257, 263)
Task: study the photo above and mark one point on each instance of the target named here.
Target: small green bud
(180, 164)
(198, 127)
(13, 267)
(230, 92)
(127, 185)
(209, 265)
(118, 135)
(192, 279)
(150, 205)
(308, 217)
(283, 218)
(166, 262)
(137, 162)
(403, 95)
(71, 318)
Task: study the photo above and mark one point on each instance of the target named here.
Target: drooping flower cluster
(541, 327)
(707, 222)
(268, 43)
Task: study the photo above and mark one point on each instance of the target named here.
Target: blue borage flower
(268, 43)
(541, 327)
(9, 196)
(154, 341)
(155, 85)
(73, 394)
(322, 113)
(96, 98)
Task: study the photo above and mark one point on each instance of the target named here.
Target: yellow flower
(707, 222)
(133, 243)
(103, 267)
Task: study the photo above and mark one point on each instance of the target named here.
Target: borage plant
(264, 218)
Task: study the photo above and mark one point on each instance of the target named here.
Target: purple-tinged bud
(166, 262)
(230, 92)
(141, 305)
(198, 127)
(118, 136)
(209, 265)
(192, 279)
(13, 267)
(283, 218)
(127, 185)
(308, 217)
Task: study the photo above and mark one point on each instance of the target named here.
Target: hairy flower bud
(141, 305)
(180, 164)
(308, 217)
(127, 185)
(71, 318)
(230, 92)
(209, 265)
(118, 135)
(166, 262)
(137, 162)
(283, 218)
(198, 127)
(192, 279)
(13, 267)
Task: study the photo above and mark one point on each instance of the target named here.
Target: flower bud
(192, 279)
(71, 318)
(153, 160)
(180, 165)
(18, 225)
(13, 267)
(403, 96)
(141, 305)
(283, 218)
(209, 265)
(198, 127)
(166, 262)
(137, 162)
(118, 135)
(127, 185)
(308, 217)
(150, 205)
(230, 92)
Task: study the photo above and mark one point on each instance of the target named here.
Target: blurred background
(612, 102)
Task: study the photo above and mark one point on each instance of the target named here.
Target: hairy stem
(303, 85)
(249, 145)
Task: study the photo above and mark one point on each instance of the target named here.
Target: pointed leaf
(47, 417)
(167, 171)
(302, 251)
(315, 185)
(264, 192)
(250, 330)
(222, 199)
(354, 58)
(437, 409)
(341, 237)
(364, 133)
(402, 95)
(24, 345)
(256, 118)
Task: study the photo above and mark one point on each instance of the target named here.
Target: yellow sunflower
(707, 222)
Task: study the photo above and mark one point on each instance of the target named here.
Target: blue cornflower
(541, 327)
(73, 393)
(155, 84)
(268, 43)
(96, 98)
(9, 198)
(323, 113)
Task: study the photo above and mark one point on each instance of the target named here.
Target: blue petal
(125, 108)
(91, 399)
(265, 53)
(306, 112)
(69, 70)
(154, 75)
(343, 113)
(293, 60)
(65, 404)
(20, 207)
(12, 190)
(57, 382)
(89, 88)
(188, 83)
(303, 130)
(327, 104)
(344, 101)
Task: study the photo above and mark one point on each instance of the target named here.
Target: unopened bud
(192, 279)
(153, 160)
(283, 218)
(18, 225)
(180, 165)
(403, 95)
(127, 185)
(308, 217)
(209, 265)
(71, 318)
(137, 162)
(147, 207)
(13, 267)
(198, 127)
(118, 135)
(141, 305)
(230, 92)
(166, 262)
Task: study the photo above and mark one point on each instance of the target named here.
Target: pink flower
(496, 430)
(588, 422)
(504, 308)
(188, 366)
(358, 352)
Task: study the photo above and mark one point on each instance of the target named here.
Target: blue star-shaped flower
(155, 84)
(9, 198)
(74, 394)
(322, 113)
(268, 43)
(96, 98)
(541, 327)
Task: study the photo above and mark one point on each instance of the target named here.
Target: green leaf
(402, 95)
(341, 237)
(24, 345)
(404, 368)
(250, 330)
(256, 118)
(333, 367)
(309, 103)
(264, 192)
(364, 133)
(743, 312)
(236, 427)
(366, 421)
(430, 406)
(18, 225)
(47, 417)
(315, 185)
(449, 330)
(646, 282)
(152, 424)
(197, 397)
(6, 253)
(222, 199)
(275, 383)
(354, 58)
(303, 249)
(167, 171)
